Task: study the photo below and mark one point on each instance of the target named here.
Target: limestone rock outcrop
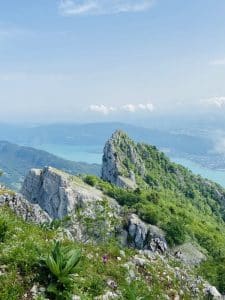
(113, 170)
(145, 236)
(23, 208)
(55, 192)
(211, 292)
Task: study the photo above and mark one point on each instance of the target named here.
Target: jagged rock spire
(117, 150)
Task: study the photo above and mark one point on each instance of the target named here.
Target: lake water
(93, 154)
(214, 175)
(83, 153)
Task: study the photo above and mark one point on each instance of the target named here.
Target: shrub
(153, 197)
(3, 230)
(91, 180)
(175, 232)
(149, 215)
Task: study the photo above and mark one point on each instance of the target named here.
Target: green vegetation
(61, 264)
(175, 232)
(20, 254)
(187, 207)
(3, 230)
(29, 256)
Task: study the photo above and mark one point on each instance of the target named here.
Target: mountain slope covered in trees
(186, 206)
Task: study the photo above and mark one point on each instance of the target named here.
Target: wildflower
(105, 258)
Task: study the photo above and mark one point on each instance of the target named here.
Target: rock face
(211, 292)
(23, 208)
(54, 192)
(145, 236)
(112, 162)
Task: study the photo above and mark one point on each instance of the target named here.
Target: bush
(175, 232)
(3, 230)
(153, 197)
(150, 216)
(91, 180)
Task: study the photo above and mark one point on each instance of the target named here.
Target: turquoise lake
(215, 175)
(83, 153)
(93, 154)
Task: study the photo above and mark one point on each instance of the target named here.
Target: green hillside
(16, 161)
(186, 206)
(102, 269)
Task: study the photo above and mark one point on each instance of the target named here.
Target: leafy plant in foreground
(61, 262)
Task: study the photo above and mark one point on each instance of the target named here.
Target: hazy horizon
(74, 61)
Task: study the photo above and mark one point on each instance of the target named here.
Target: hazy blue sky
(73, 60)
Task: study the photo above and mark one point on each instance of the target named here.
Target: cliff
(117, 150)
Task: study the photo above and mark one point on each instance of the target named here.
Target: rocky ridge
(60, 194)
(49, 194)
(95, 217)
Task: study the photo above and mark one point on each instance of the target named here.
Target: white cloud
(218, 102)
(217, 62)
(131, 108)
(148, 106)
(103, 109)
(138, 107)
(100, 7)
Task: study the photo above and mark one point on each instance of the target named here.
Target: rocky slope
(162, 222)
(23, 208)
(95, 217)
(60, 195)
(105, 271)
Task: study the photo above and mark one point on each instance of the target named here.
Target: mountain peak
(119, 133)
(118, 156)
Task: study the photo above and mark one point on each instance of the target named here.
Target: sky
(79, 60)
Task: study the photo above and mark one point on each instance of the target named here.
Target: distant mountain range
(97, 133)
(15, 161)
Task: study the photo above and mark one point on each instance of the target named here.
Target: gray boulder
(145, 236)
(211, 292)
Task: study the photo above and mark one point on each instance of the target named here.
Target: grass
(25, 244)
